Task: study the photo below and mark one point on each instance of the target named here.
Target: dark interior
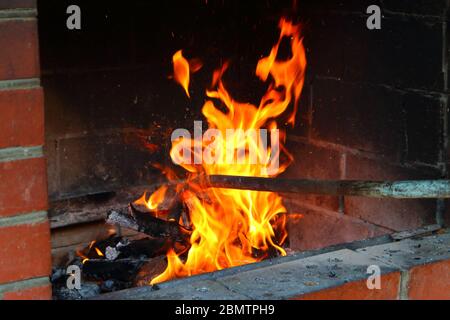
(374, 105)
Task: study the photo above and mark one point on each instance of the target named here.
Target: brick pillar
(25, 259)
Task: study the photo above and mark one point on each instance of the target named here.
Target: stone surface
(295, 278)
(412, 252)
(339, 274)
(200, 290)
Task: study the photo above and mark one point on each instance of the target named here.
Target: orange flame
(181, 70)
(229, 226)
(155, 199)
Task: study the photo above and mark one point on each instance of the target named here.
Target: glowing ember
(230, 227)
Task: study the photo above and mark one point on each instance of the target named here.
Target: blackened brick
(341, 46)
(365, 118)
(419, 7)
(423, 128)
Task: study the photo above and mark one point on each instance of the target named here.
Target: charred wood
(145, 223)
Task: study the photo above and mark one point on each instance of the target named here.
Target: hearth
(192, 148)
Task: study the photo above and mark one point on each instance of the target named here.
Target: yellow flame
(155, 199)
(229, 227)
(100, 254)
(181, 70)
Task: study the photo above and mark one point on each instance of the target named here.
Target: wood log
(120, 269)
(145, 223)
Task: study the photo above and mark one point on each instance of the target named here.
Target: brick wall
(374, 107)
(24, 229)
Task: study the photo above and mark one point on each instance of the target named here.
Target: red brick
(430, 281)
(312, 162)
(13, 4)
(358, 290)
(23, 186)
(395, 214)
(320, 228)
(36, 293)
(22, 118)
(24, 251)
(358, 167)
(19, 54)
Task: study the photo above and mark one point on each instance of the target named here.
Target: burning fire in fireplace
(234, 227)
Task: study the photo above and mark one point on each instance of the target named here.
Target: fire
(181, 70)
(234, 227)
(155, 199)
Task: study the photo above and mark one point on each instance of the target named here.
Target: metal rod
(411, 189)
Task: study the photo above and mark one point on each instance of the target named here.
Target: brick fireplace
(374, 107)
(25, 259)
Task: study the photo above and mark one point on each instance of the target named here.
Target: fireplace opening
(362, 116)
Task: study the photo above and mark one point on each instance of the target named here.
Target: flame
(229, 226)
(155, 199)
(100, 254)
(181, 70)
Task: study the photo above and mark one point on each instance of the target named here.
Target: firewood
(145, 223)
(120, 269)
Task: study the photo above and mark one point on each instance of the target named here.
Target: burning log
(103, 269)
(145, 223)
(377, 189)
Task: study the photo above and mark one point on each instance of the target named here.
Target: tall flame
(231, 226)
(181, 70)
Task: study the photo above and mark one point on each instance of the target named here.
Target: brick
(19, 54)
(342, 47)
(88, 164)
(36, 293)
(365, 118)
(24, 186)
(22, 118)
(304, 113)
(395, 214)
(447, 213)
(358, 290)
(319, 228)
(362, 168)
(430, 281)
(24, 251)
(424, 128)
(14, 4)
(326, 202)
(312, 162)
(420, 7)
